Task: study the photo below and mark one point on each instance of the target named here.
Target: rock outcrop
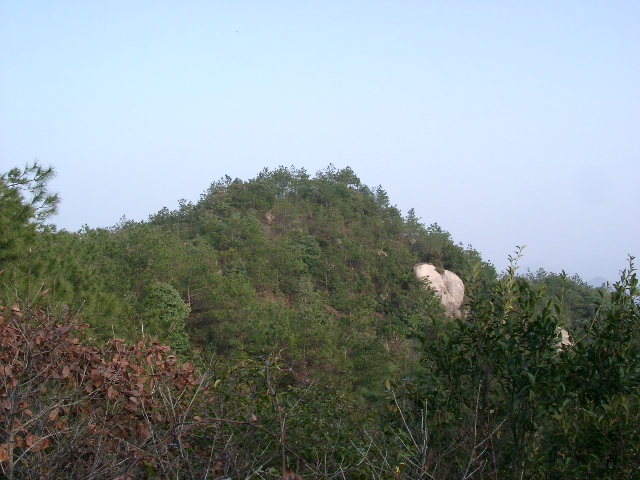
(565, 340)
(447, 286)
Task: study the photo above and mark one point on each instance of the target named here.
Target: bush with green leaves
(163, 315)
(499, 397)
(593, 428)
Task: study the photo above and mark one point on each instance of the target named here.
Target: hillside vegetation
(299, 343)
(318, 269)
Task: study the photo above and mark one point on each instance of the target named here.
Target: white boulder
(565, 339)
(448, 286)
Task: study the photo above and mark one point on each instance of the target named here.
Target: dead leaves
(50, 379)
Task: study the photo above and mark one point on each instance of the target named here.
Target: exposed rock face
(447, 286)
(565, 340)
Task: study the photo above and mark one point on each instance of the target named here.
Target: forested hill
(319, 267)
(301, 344)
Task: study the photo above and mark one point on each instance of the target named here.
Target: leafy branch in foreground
(500, 396)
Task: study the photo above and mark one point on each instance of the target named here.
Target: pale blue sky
(506, 122)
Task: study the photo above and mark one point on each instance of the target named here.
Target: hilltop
(317, 267)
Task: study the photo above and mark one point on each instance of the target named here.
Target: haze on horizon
(507, 124)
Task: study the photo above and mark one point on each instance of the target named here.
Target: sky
(507, 123)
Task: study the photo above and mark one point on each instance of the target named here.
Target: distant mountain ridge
(597, 282)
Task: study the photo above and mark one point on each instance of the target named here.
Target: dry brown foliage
(85, 410)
